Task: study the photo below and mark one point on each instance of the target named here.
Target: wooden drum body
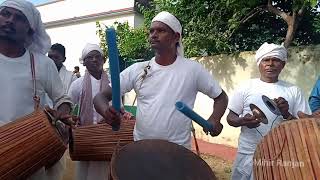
(98, 142)
(27, 144)
(289, 151)
(158, 160)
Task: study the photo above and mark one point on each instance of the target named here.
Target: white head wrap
(174, 24)
(271, 50)
(87, 49)
(40, 41)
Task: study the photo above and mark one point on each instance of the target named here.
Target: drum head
(158, 160)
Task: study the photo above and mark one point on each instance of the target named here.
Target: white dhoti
(92, 170)
(242, 167)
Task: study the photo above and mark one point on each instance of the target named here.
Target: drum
(28, 144)
(289, 151)
(98, 142)
(158, 160)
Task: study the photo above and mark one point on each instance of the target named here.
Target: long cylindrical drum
(28, 144)
(289, 151)
(98, 142)
(157, 160)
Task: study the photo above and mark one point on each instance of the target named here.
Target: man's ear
(64, 59)
(283, 64)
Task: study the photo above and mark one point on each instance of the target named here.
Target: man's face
(57, 57)
(161, 36)
(14, 25)
(94, 61)
(271, 67)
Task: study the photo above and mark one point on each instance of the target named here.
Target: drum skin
(158, 160)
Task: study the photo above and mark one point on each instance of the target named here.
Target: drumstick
(180, 106)
(114, 70)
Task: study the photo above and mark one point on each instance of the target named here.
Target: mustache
(8, 26)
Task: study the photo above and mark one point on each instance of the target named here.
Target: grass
(220, 167)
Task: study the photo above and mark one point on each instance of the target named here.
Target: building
(73, 22)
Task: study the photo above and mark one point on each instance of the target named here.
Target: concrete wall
(302, 70)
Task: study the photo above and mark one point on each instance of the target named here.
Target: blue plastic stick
(114, 70)
(180, 106)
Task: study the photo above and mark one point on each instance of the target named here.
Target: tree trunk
(292, 23)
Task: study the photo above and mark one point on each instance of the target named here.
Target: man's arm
(314, 99)
(101, 104)
(219, 108)
(248, 120)
(101, 101)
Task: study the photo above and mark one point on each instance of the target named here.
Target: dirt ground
(221, 167)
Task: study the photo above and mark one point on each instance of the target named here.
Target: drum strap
(142, 77)
(195, 139)
(36, 98)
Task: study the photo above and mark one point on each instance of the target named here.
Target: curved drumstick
(114, 70)
(180, 106)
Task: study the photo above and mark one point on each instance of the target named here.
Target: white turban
(174, 24)
(88, 48)
(271, 50)
(40, 41)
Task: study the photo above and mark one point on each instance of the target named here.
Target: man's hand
(112, 117)
(313, 115)
(62, 115)
(217, 128)
(283, 106)
(250, 121)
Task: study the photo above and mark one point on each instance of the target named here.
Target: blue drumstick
(114, 70)
(193, 115)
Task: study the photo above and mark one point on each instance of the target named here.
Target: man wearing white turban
(23, 40)
(271, 59)
(161, 82)
(82, 91)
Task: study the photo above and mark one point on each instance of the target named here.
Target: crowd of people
(158, 83)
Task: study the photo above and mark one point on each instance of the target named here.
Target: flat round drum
(158, 159)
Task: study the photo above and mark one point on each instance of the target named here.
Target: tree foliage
(225, 26)
(132, 42)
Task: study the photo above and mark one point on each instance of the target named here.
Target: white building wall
(75, 35)
(74, 8)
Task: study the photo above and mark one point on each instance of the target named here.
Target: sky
(35, 2)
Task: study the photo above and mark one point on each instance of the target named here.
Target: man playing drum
(22, 33)
(82, 92)
(271, 59)
(160, 83)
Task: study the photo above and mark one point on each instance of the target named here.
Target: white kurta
(88, 170)
(157, 117)
(17, 89)
(67, 77)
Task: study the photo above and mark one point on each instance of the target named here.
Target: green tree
(225, 26)
(132, 42)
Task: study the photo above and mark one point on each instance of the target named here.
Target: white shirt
(17, 86)
(16, 95)
(251, 92)
(157, 117)
(75, 92)
(67, 77)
